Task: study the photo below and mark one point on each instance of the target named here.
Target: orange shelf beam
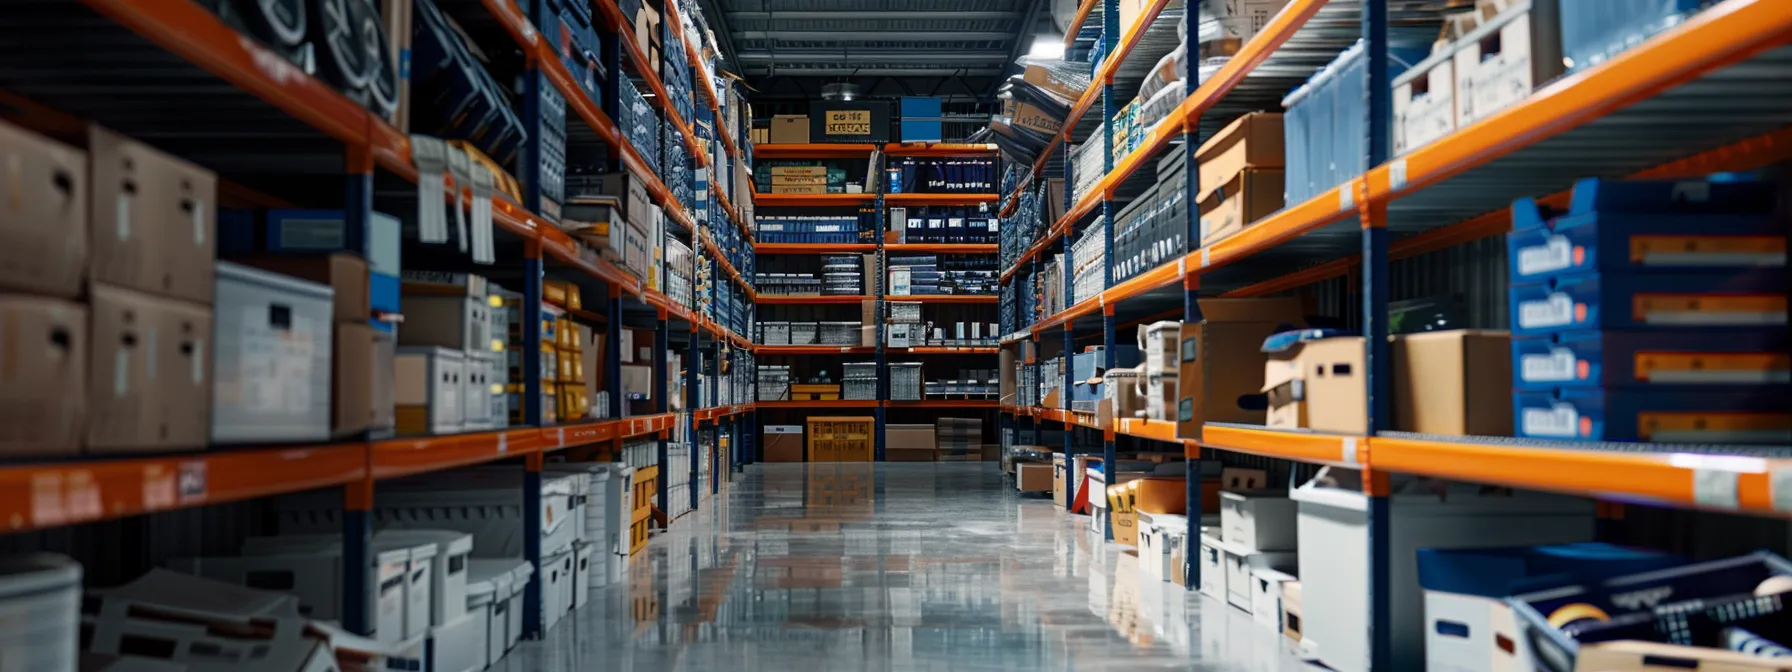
(812, 151)
(943, 248)
(722, 260)
(722, 411)
(839, 403)
(812, 248)
(940, 199)
(1077, 21)
(764, 300)
(1331, 449)
(940, 350)
(1156, 430)
(812, 200)
(946, 298)
(791, 350)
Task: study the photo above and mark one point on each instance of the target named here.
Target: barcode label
(1553, 255)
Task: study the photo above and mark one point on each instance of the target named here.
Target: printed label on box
(1554, 255)
(1557, 366)
(275, 364)
(1560, 420)
(1556, 310)
(849, 122)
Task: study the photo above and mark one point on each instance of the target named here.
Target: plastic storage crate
(273, 341)
(803, 333)
(774, 333)
(839, 333)
(859, 381)
(774, 383)
(905, 381)
(1595, 31)
(1323, 128)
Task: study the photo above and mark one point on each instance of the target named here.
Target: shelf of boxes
(1499, 171)
(202, 52)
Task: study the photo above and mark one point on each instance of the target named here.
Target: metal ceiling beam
(1020, 40)
(943, 17)
(878, 56)
(860, 36)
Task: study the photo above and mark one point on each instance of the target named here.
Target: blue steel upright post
(357, 510)
(530, 315)
(883, 359)
(1110, 42)
(1375, 334)
(1191, 314)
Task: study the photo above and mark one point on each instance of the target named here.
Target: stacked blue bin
(1651, 311)
(455, 98)
(1327, 120)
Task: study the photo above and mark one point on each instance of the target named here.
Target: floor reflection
(928, 566)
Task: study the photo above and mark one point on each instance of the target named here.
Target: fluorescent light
(1047, 46)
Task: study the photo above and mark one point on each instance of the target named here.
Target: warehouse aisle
(894, 567)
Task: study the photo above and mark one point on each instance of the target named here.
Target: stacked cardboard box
(959, 438)
(1241, 173)
(910, 443)
(449, 360)
(135, 227)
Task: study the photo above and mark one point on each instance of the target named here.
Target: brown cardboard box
(637, 206)
(346, 275)
(1007, 369)
(363, 381)
(798, 171)
(1126, 400)
(1059, 496)
(910, 437)
(798, 180)
(44, 217)
(1126, 528)
(1251, 141)
(1318, 385)
(1221, 373)
(153, 219)
(1033, 477)
(1291, 610)
(800, 189)
(128, 409)
(868, 336)
(43, 376)
(783, 443)
(1453, 382)
(1163, 494)
(1229, 207)
(790, 129)
(868, 313)
(873, 275)
(1032, 118)
(1047, 79)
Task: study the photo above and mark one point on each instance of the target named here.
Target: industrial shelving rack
(1659, 110)
(190, 72)
(880, 202)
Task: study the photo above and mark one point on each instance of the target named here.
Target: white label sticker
(1695, 191)
(1349, 450)
(1347, 197)
(562, 433)
(1554, 311)
(198, 362)
(503, 443)
(1557, 366)
(1715, 487)
(1779, 489)
(1397, 174)
(199, 223)
(1205, 258)
(1553, 255)
(121, 372)
(123, 207)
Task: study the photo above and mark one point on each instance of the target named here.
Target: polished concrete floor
(898, 566)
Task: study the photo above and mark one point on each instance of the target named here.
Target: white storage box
(606, 510)
(1333, 525)
(459, 646)
(484, 601)
(40, 603)
(271, 368)
(1155, 531)
(1500, 62)
(315, 577)
(1212, 557)
(556, 588)
(521, 573)
(1160, 341)
(485, 503)
(476, 391)
(448, 569)
(1425, 100)
(455, 322)
(1266, 596)
(582, 580)
(427, 389)
(1241, 562)
(508, 578)
(419, 582)
(1258, 520)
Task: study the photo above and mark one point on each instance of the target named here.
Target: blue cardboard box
(1625, 242)
(1593, 358)
(1728, 299)
(1717, 414)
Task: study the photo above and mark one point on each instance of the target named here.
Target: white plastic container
(1333, 526)
(482, 599)
(581, 574)
(1154, 543)
(1266, 597)
(476, 390)
(271, 369)
(448, 570)
(434, 555)
(40, 605)
(1241, 563)
(1425, 100)
(432, 379)
(485, 503)
(521, 573)
(556, 588)
(1212, 556)
(1258, 520)
(1160, 341)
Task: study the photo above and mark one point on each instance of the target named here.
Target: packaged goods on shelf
(944, 224)
(1312, 380)
(1470, 586)
(47, 236)
(1087, 164)
(859, 380)
(1035, 105)
(774, 383)
(455, 98)
(1425, 96)
(1319, 154)
(459, 322)
(1332, 515)
(837, 333)
(1594, 32)
(1241, 176)
(1089, 262)
(1148, 232)
(809, 229)
(129, 409)
(1126, 130)
(151, 221)
(45, 387)
(285, 240)
(679, 265)
(427, 390)
(1230, 361)
(1529, 54)
(920, 175)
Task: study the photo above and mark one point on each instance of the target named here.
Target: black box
(849, 121)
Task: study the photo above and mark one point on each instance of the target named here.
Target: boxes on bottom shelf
(1033, 477)
(1317, 384)
(1241, 568)
(427, 390)
(1335, 518)
(1260, 520)
(1268, 585)
(315, 578)
(1157, 533)
(128, 408)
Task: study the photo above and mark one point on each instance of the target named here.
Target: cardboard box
(1033, 477)
(1048, 79)
(128, 410)
(1251, 141)
(1516, 48)
(637, 379)
(868, 336)
(1162, 494)
(153, 219)
(783, 443)
(43, 376)
(910, 437)
(362, 385)
(800, 189)
(798, 180)
(850, 121)
(1291, 611)
(1126, 528)
(345, 274)
(798, 171)
(790, 129)
(1319, 385)
(1221, 372)
(1032, 118)
(44, 221)
(1229, 207)
(1453, 382)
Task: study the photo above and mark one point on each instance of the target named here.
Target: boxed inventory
(1222, 361)
(46, 250)
(129, 408)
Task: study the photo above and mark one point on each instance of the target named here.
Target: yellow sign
(848, 122)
